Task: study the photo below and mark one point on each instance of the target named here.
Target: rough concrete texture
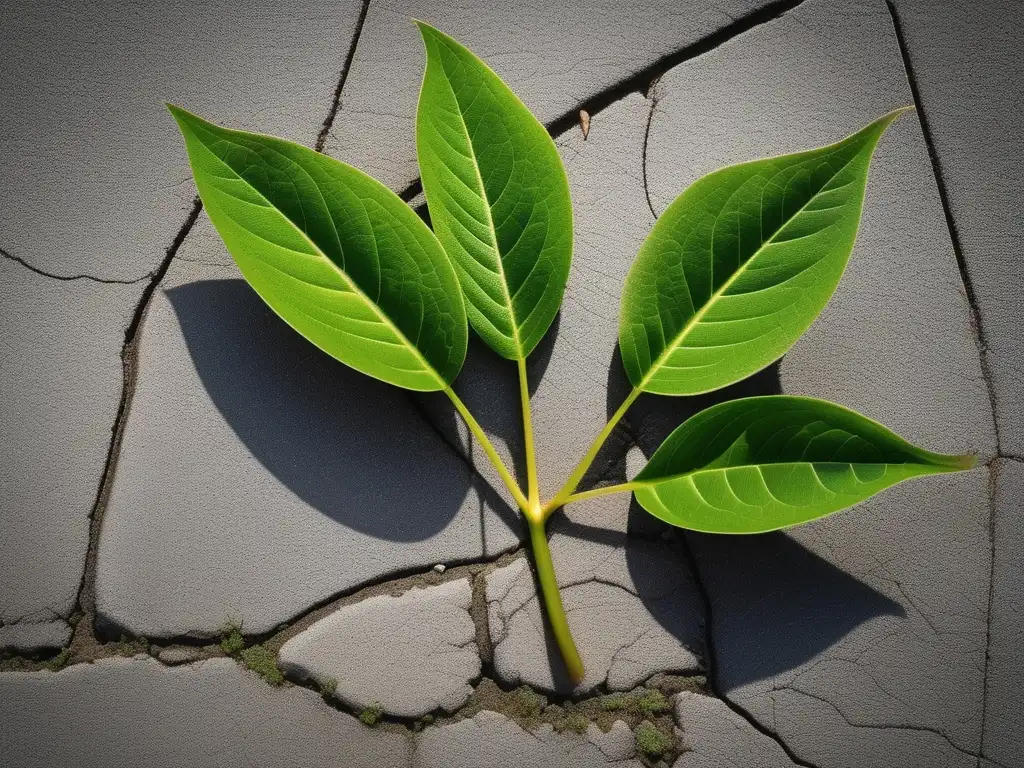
(408, 655)
(1004, 703)
(258, 480)
(82, 94)
(555, 56)
(61, 381)
(630, 604)
(966, 61)
(492, 740)
(136, 712)
(258, 477)
(30, 635)
(844, 637)
(714, 736)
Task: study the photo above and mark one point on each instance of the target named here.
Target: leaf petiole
(492, 454)
(561, 498)
(605, 490)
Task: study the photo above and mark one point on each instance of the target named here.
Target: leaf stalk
(492, 454)
(563, 496)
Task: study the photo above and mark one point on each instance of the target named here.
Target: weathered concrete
(136, 712)
(490, 739)
(30, 635)
(555, 56)
(845, 637)
(714, 736)
(967, 67)
(82, 91)
(258, 477)
(630, 604)
(407, 655)
(1004, 705)
(61, 383)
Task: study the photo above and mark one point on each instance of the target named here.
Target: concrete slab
(860, 639)
(630, 603)
(714, 736)
(1004, 705)
(60, 380)
(493, 740)
(82, 92)
(258, 477)
(967, 68)
(27, 636)
(124, 713)
(555, 56)
(408, 655)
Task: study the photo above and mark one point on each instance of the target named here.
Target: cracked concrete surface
(134, 712)
(82, 94)
(714, 736)
(60, 378)
(630, 604)
(246, 480)
(407, 655)
(336, 481)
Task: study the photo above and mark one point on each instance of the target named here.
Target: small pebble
(439, 567)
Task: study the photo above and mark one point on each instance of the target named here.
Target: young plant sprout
(731, 275)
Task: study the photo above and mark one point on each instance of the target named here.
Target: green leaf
(334, 252)
(740, 265)
(498, 196)
(764, 463)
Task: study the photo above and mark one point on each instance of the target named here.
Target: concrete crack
(85, 606)
(977, 324)
(710, 658)
(653, 98)
(321, 138)
(69, 278)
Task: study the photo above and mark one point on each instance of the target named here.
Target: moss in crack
(653, 742)
(327, 685)
(371, 716)
(643, 703)
(263, 662)
(59, 661)
(231, 640)
(648, 706)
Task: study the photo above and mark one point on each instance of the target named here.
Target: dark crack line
(977, 323)
(711, 662)
(642, 81)
(947, 210)
(346, 67)
(70, 278)
(643, 156)
(86, 600)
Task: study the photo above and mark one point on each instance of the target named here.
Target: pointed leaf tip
(741, 263)
(498, 196)
(763, 463)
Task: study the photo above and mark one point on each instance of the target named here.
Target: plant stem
(604, 490)
(563, 495)
(492, 454)
(533, 491)
(553, 600)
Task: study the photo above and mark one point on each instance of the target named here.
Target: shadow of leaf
(350, 446)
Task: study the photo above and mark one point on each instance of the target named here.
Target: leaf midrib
(487, 209)
(638, 483)
(348, 280)
(716, 295)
